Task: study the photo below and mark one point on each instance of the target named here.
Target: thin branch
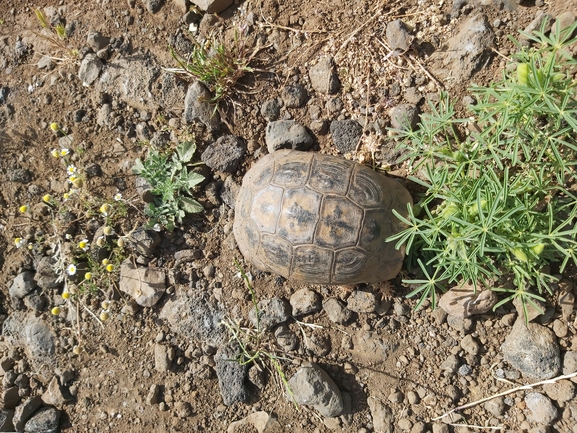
(510, 391)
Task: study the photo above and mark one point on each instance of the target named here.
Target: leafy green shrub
(170, 181)
(500, 201)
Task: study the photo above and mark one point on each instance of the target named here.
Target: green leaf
(194, 179)
(186, 150)
(190, 205)
(138, 167)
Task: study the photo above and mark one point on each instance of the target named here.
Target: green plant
(217, 65)
(500, 202)
(254, 344)
(170, 181)
(87, 269)
(57, 37)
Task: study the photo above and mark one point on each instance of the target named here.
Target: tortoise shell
(319, 219)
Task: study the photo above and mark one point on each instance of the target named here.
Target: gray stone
(143, 241)
(271, 312)
(130, 78)
(161, 359)
(213, 6)
(362, 301)
(464, 301)
(383, 417)
(413, 96)
(440, 428)
(197, 106)
(19, 175)
(336, 311)
(561, 391)
(261, 422)
(398, 35)
(529, 311)
(45, 62)
(225, 154)
(195, 318)
(145, 285)
(346, 134)
(22, 285)
(56, 395)
(470, 345)
(294, 96)
(172, 92)
(231, 374)
(459, 324)
(305, 301)
(96, 41)
(570, 362)
(287, 134)
(31, 333)
(45, 276)
(312, 386)
(533, 350)
(495, 406)
(285, 338)
(541, 408)
(403, 116)
(466, 52)
(323, 76)
(44, 421)
(90, 68)
(154, 394)
(450, 365)
(153, 6)
(10, 397)
(6, 420)
(25, 410)
(270, 109)
(229, 192)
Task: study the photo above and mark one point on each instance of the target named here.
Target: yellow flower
(120, 242)
(110, 268)
(55, 311)
(23, 208)
(65, 196)
(77, 350)
(84, 244)
(47, 198)
(66, 294)
(55, 153)
(105, 305)
(105, 261)
(54, 126)
(100, 241)
(88, 275)
(64, 152)
(19, 242)
(104, 315)
(105, 208)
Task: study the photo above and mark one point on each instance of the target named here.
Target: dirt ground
(394, 354)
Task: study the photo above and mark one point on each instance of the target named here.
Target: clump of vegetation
(86, 265)
(500, 205)
(217, 64)
(255, 347)
(57, 37)
(170, 183)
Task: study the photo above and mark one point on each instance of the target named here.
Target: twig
(510, 391)
(433, 79)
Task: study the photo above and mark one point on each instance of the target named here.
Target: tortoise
(319, 219)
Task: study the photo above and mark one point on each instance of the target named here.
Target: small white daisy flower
(71, 169)
(84, 244)
(156, 227)
(118, 197)
(71, 270)
(64, 152)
